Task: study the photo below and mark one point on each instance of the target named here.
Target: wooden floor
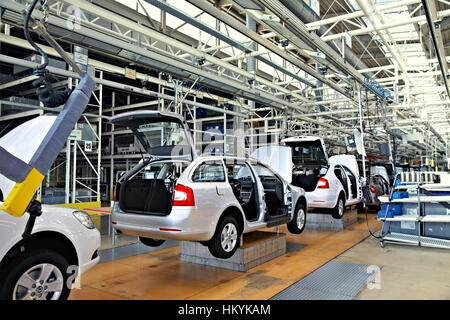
(161, 275)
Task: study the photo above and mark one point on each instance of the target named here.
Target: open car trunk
(310, 162)
(148, 188)
(307, 177)
(146, 196)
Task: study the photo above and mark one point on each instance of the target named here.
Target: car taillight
(373, 189)
(323, 184)
(116, 192)
(183, 196)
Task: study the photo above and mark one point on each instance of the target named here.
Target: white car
(63, 243)
(177, 195)
(379, 185)
(329, 183)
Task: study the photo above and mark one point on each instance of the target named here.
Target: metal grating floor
(334, 281)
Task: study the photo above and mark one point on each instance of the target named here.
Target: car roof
(302, 138)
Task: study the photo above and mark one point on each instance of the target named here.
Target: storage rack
(420, 219)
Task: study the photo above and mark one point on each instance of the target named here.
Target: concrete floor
(161, 275)
(406, 272)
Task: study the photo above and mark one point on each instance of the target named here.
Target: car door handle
(219, 193)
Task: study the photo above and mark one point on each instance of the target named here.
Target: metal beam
(219, 35)
(220, 15)
(436, 36)
(17, 82)
(359, 14)
(112, 84)
(291, 21)
(363, 31)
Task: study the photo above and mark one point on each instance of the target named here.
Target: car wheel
(151, 242)
(225, 241)
(338, 210)
(362, 207)
(298, 222)
(35, 275)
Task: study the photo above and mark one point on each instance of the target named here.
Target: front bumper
(87, 244)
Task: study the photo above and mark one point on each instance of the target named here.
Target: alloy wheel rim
(300, 218)
(341, 208)
(41, 282)
(228, 237)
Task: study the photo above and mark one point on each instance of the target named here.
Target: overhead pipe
(442, 63)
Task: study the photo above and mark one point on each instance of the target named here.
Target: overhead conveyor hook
(29, 175)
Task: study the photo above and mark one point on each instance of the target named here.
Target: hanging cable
(44, 90)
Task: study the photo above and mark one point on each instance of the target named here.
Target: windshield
(162, 134)
(307, 152)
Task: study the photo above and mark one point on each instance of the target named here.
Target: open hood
(279, 158)
(161, 134)
(22, 142)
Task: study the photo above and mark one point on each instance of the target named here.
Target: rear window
(307, 152)
(161, 134)
(209, 171)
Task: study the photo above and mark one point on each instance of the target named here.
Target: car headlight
(84, 219)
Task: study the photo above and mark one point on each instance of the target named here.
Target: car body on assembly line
(176, 195)
(63, 243)
(330, 184)
(379, 185)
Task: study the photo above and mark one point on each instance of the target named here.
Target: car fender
(53, 219)
(297, 194)
(233, 206)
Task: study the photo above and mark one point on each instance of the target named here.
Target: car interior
(241, 181)
(353, 183)
(342, 178)
(273, 189)
(147, 191)
(306, 177)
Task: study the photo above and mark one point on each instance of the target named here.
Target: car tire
(25, 276)
(151, 242)
(298, 222)
(362, 207)
(225, 241)
(338, 211)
